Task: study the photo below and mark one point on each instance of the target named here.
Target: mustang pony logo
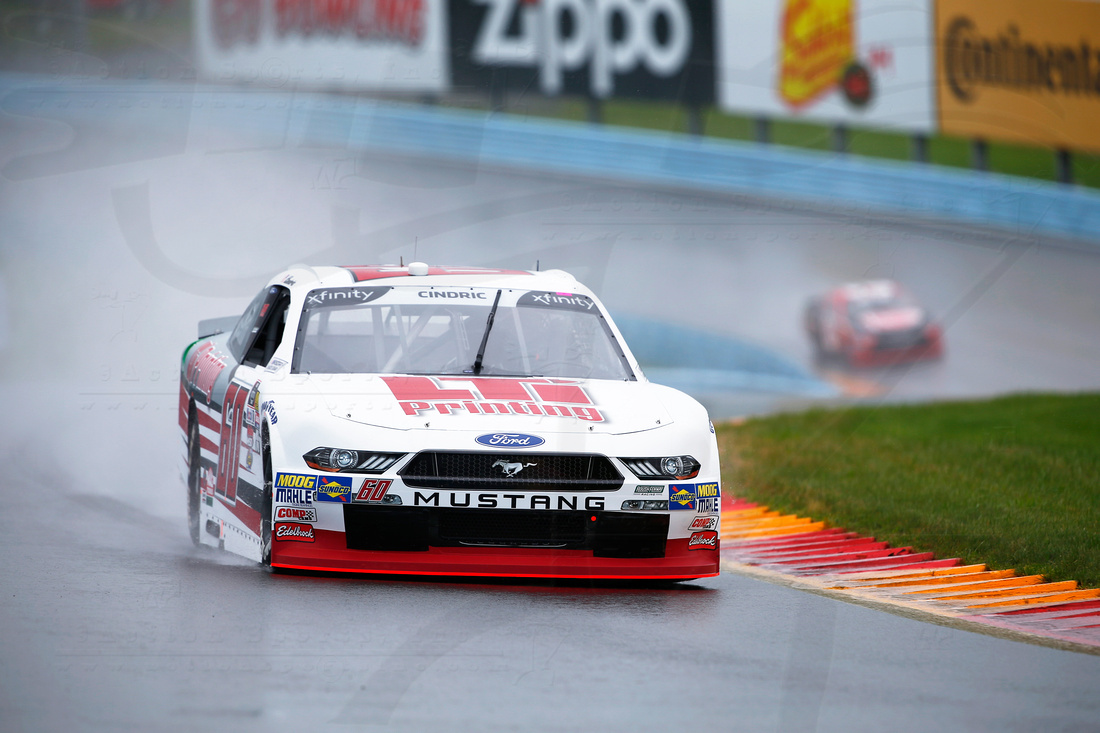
(511, 469)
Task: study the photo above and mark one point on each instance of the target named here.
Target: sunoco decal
(681, 496)
(336, 489)
(509, 440)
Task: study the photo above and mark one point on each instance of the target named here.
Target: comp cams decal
(296, 513)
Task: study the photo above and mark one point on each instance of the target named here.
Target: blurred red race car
(871, 323)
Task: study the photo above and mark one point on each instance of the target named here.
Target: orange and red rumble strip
(862, 567)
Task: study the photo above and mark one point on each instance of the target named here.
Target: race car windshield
(439, 331)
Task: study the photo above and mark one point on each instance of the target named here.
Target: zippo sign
(386, 45)
(836, 61)
(601, 48)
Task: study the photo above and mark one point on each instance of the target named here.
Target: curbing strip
(802, 554)
(918, 612)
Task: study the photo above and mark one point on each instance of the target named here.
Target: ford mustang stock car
(872, 323)
(446, 422)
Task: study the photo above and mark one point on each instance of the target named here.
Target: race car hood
(892, 319)
(495, 404)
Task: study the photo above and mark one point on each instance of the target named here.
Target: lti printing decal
(1025, 72)
(857, 61)
(681, 496)
(335, 489)
(295, 488)
(708, 498)
(294, 532)
(649, 489)
(493, 396)
(662, 49)
(703, 541)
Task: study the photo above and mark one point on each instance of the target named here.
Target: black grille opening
(523, 528)
(522, 472)
(415, 529)
(386, 528)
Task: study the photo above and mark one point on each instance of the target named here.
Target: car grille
(906, 339)
(416, 529)
(529, 471)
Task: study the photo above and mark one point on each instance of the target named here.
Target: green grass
(1013, 482)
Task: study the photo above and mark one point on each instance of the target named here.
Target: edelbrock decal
(509, 440)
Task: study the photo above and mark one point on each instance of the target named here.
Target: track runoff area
(806, 554)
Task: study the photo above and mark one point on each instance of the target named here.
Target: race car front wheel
(265, 505)
(193, 478)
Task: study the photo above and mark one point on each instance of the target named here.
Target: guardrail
(1021, 207)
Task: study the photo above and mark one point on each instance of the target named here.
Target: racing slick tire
(265, 504)
(194, 469)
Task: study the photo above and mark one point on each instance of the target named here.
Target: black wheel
(265, 504)
(194, 477)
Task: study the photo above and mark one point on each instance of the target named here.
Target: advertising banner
(659, 49)
(858, 62)
(375, 45)
(1020, 71)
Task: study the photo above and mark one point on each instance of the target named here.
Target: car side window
(252, 341)
(269, 329)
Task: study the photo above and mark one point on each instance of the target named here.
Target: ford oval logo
(510, 440)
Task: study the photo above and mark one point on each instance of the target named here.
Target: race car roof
(306, 277)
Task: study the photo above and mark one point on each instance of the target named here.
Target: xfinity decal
(509, 440)
(564, 301)
(468, 499)
(324, 297)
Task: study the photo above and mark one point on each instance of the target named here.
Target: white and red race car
(872, 323)
(442, 421)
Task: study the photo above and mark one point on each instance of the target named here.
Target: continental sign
(1020, 71)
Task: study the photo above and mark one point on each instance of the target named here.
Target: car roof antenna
(536, 265)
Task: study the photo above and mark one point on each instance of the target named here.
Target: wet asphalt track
(115, 243)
